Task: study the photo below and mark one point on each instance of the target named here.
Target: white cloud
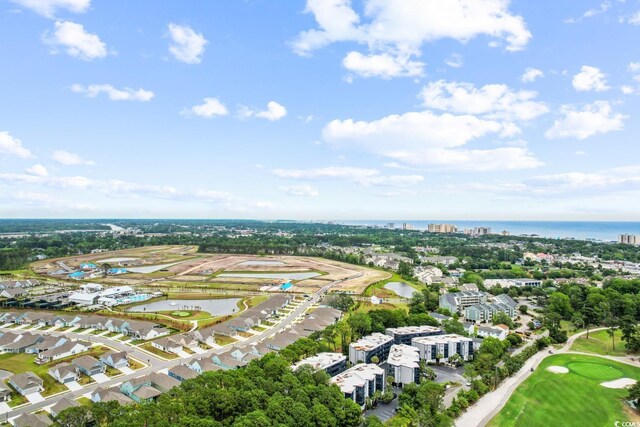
(37, 170)
(531, 75)
(394, 29)
(186, 45)
(602, 8)
(124, 94)
(382, 65)
(627, 90)
(302, 190)
(454, 61)
(634, 67)
(428, 139)
(80, 182)
(48, 8)
(590, 78)
(495, 101)
(634, 19)
(595, 118)
(362, 176)
(273, 112)
(610, 180)
(76, 41)
(210, 107)
(69, 159)
(13, 146)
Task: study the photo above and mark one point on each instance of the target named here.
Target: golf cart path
(491, 403)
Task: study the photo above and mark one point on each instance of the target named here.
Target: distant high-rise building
(406, 226)
(391, 225)
(481, 231)
(629, 239)
(441, 228)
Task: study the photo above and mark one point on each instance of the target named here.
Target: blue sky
(324, 109)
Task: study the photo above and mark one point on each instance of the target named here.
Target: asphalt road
(156, 364)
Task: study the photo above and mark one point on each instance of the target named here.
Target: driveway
(73, 386)
(34, 398)
(100, 378)
(126, 370)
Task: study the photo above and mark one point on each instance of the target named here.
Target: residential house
(167, 344)
(13, 293)
(27, 383)
(64, 403)
(47, 343)
(204, 365)
(227, 362)
(32, 420)
(89, 365)
(115, 359)
(182, 373)
(67, 349)
(498, 331)
(148, 387)
(20, 344)
(110, 395)
(5, 392)
(65, 373)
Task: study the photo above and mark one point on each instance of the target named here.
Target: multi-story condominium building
(485, 312)
(505, 299)
(507, 283)
(405, 334)
(439, 348)
(331, 363)
(498, 331)
(365, 348)
(360, 382)
(403, 364)
(441, 228)
(629, 239)
(456, 302)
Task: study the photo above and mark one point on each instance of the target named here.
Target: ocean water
(583, 230)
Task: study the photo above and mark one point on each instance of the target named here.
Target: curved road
(157, 364)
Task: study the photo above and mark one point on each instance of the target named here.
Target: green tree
(360, 324)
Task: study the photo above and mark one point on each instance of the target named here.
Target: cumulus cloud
(209, 108)
(428, 139)
(273, 112)
(594, 118)
(383, 65)
(590, 78)
(302, 190)
(69, 159)
(37, 170)
(186, 45)
(74, 40)
(124, 94)
(617, 179)
(454, 60)
(495, 101)
(395, 30)
(634, 19)
(48, 8)
(361, 176)
(13, 146)
(531, 75)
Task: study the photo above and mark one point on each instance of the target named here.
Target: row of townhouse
(137, 329)
(18, 284)
(246, 320)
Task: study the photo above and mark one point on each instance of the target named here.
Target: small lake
(217, 307)
(117, 259)
(150, 268)
(285, 276)
(401, 289)
(263, 262)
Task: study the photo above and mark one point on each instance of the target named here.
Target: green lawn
(599, 342)
(148, 347)
(224, 340)
(572, 399)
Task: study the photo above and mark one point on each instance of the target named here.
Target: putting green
(572, 399)
(595, 370)
(181, 314)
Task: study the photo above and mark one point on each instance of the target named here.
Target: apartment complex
(456, 302)
(365, 348)
(403, 364)
(440, 348)
(629, 239)
(331, 363)
(441, 228)
(360, 382)
(405, 334)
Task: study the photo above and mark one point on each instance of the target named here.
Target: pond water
(217, 307)
(286, 276)
(150, 268)
(263, 262)
(117, 259)
(401, 288)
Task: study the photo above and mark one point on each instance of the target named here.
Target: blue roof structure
(77, 274)
(286, 286)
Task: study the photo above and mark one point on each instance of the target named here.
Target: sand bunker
(558, 369)
(619, 383)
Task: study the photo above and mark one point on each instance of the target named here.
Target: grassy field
(599, 342)
(572, 399)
